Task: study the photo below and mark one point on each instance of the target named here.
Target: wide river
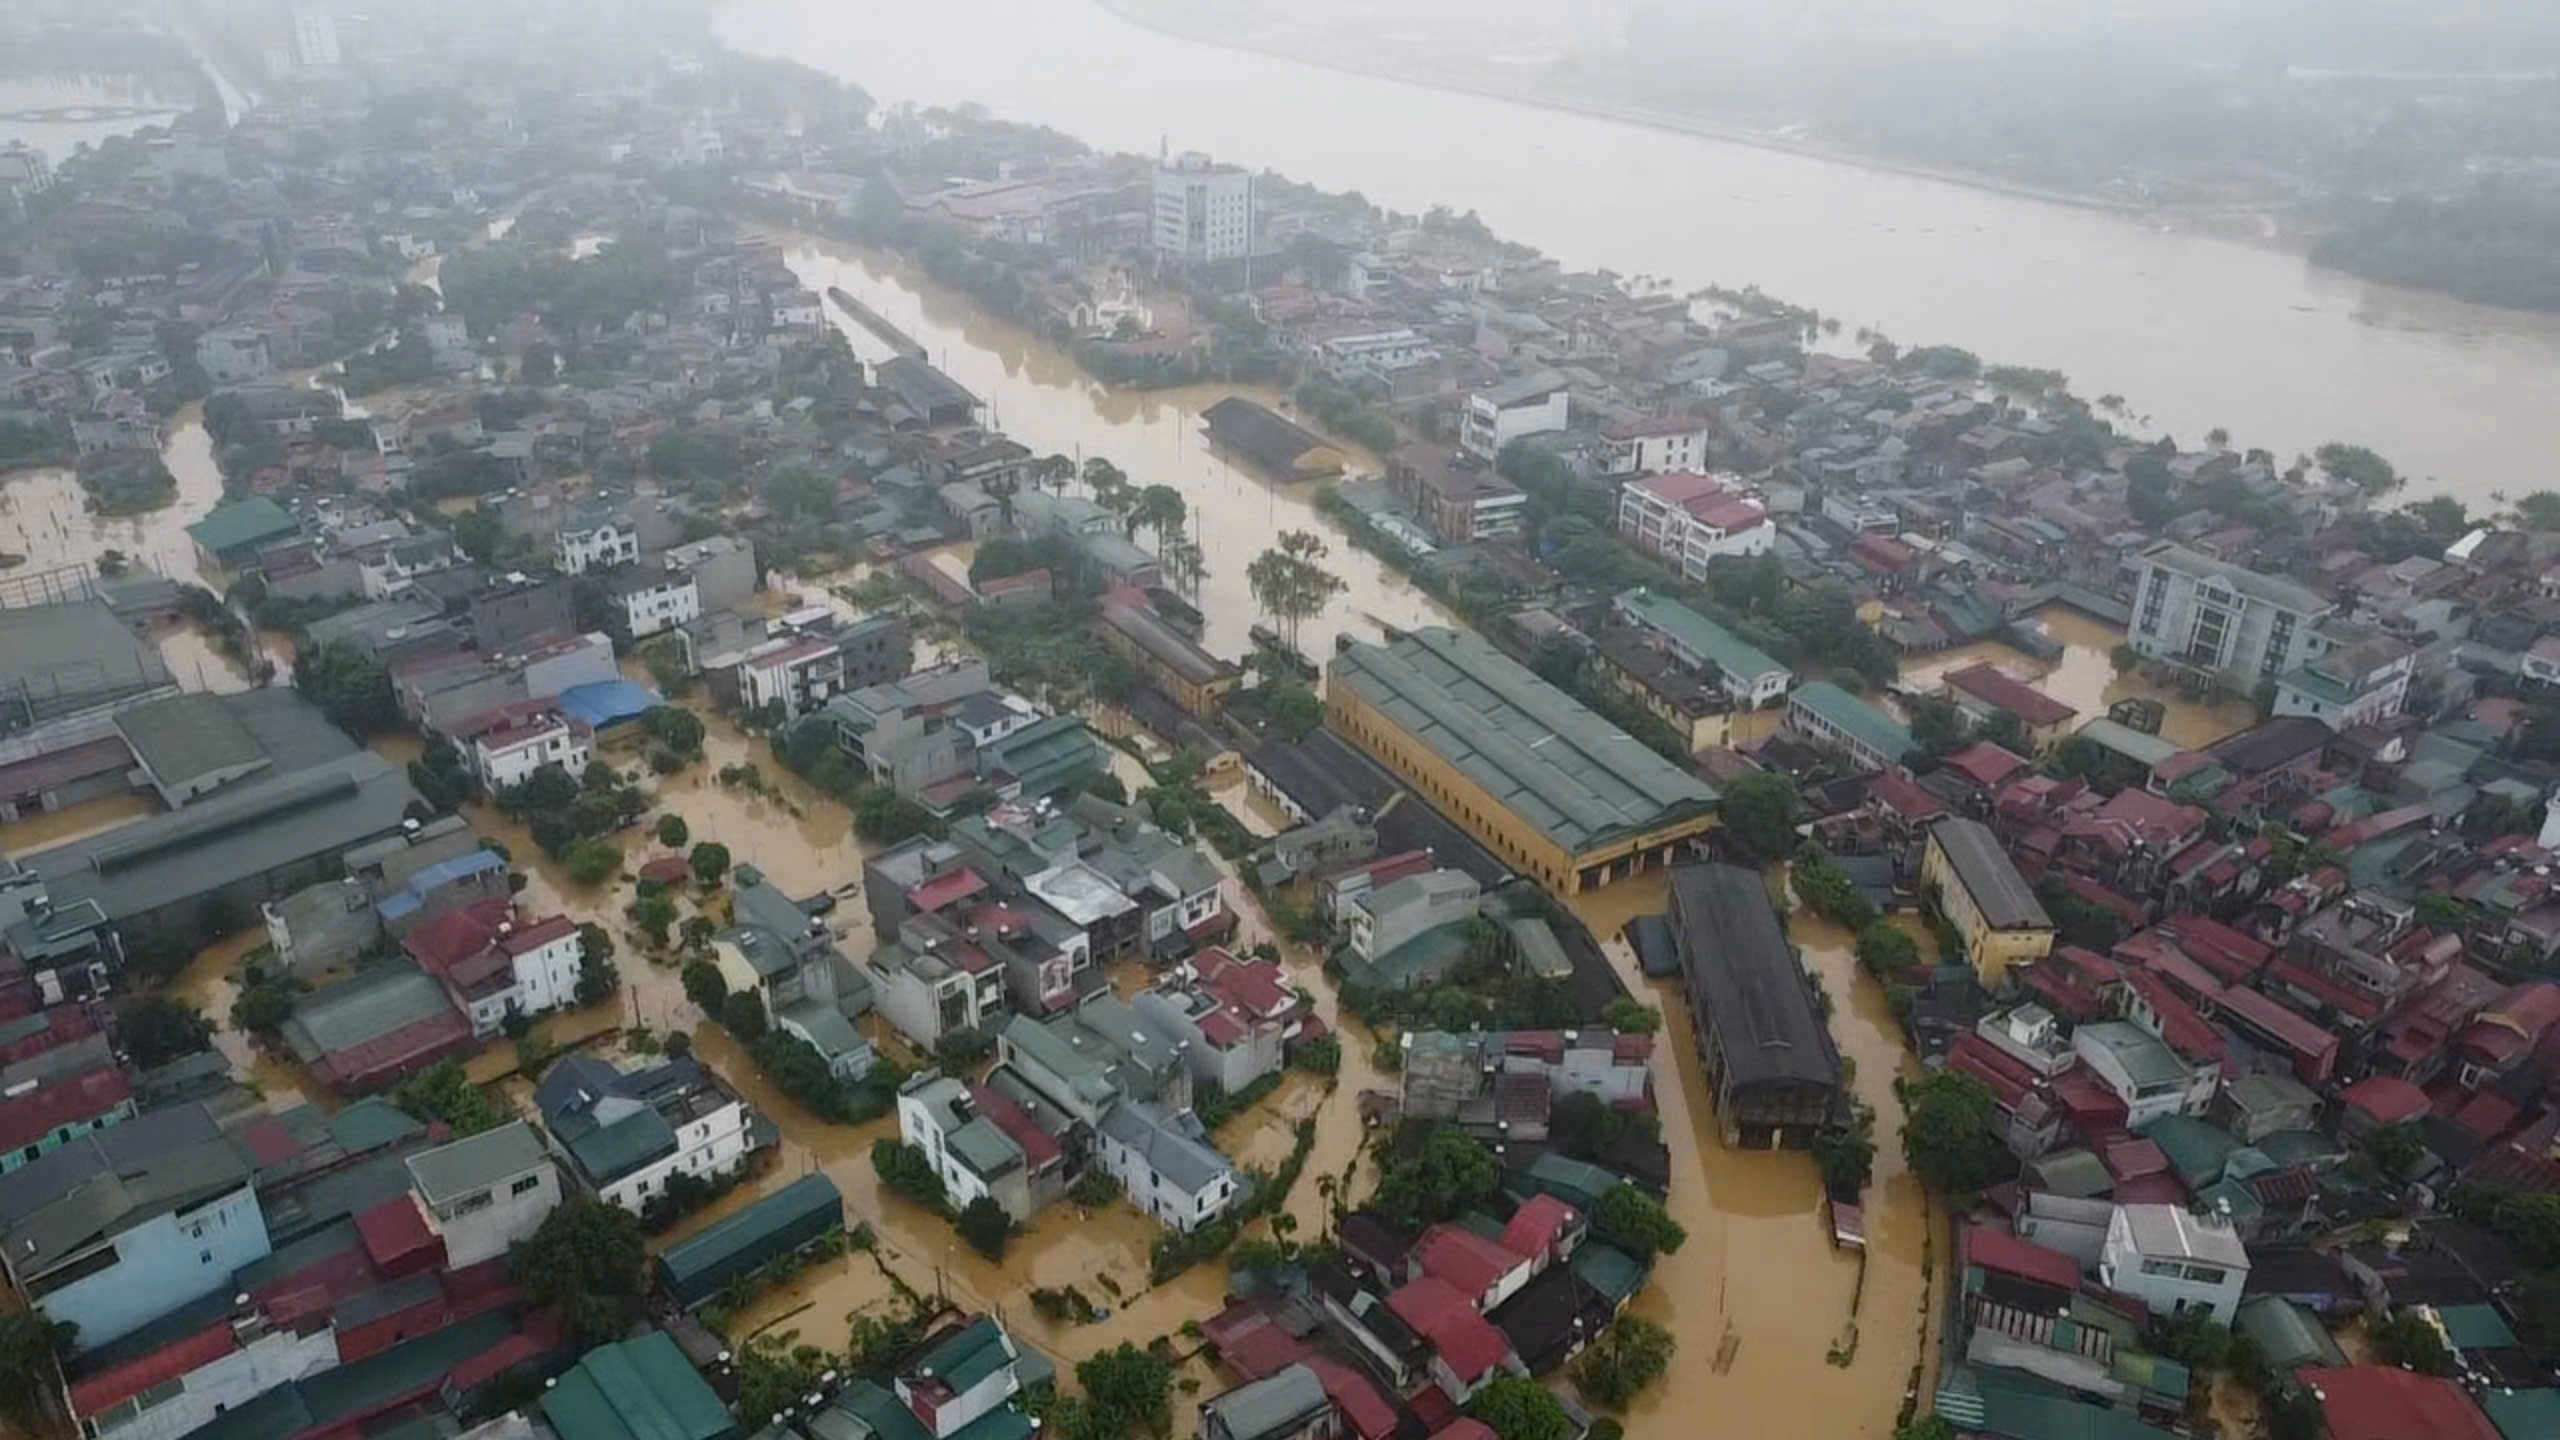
(2194, 332)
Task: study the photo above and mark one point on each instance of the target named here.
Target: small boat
(1848, 1222)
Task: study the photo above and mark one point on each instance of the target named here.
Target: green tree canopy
(1760, 812)
(588, 1261)
(1948, 1132)
(1519, 1408)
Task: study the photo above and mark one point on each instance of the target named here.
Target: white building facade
(2174, 1261)
(1203, 210)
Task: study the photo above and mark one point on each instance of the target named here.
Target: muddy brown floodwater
(1038, 394)
(1782, 1337)
(2085, 678)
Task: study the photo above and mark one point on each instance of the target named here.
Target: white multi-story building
(1204, 211)
(484, 1193)
(1375, 353)
(1499, 414)
(492, 963)
(1651, 447)
(1164, 1163)
(1689, 520)
(2174, 1260)
(2140, 1069)
(797, 311)
(2234, 623)
(973, 1155)
(506, 745)
(657, 599)
(626, 1134)
(2360, 678)
(315, 37)
(597, 540)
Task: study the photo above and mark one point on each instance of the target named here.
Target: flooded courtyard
(2086, 678)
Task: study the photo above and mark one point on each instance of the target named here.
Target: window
(525, 1184)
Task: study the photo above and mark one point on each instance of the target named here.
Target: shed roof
(475, 1162)
(1745, 980)
(1988, 875)
(1577, 779)
(639, 1389)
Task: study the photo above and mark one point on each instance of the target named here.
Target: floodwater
(1780, 1334)
(2194, 331)
(2085, 679)
(74, 822)
(211, 983)
(1037, 394)
(59, 113)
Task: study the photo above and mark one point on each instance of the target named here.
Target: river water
(2195, 332)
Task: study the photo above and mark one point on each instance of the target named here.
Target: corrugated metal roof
(1571, 775)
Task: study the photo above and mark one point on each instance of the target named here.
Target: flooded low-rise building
(627, 1134)
(694, 1271)
(1982, 894)
(1768, 1057)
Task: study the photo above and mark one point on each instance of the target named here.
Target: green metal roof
(2289, 1336)
(641, 1389)
(2198, 1151)
(968, 1357)
(609, 1152)
(1855, 718)
(1741, 661)
(2475, 1327)
(1577, 779)
(751, 1226)
(242, 522)
(371, 1124)
(1576, 1182)
(1609, 1270)
(2524, 1414)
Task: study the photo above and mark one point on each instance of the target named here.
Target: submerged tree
(1288, 583)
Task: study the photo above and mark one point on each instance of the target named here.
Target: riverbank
(1652, 119)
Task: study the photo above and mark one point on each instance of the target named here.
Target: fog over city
(1279, 720)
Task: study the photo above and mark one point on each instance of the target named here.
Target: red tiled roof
(2004, 691)
(388, 1056)
(1468, 1262)
(2386, 1099)
(2382, 1402)
(1467, 1342)
(1902, 795)
(1466, 1427)
(2130, 1157)
(1255, 986)
(527, 938)
(1221, 1028)
(75, 1099)
(120, 1383)
(2510, 1025)
(2181, 1027)
(2305, 1039)
(393, 1231)
(1371, 1416)
(457, 935)
(1680, 487)
(1038, 1146)
(2225, 951)
(1731, 514)
(1997, 1250)
(2161, 1189)
(2486, 1116)
(667, 870)
(948, 888)
(2328, 992)
(1537, 1225)
(1984, 763)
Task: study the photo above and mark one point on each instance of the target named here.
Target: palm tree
(1052, 471)
(1159, 508)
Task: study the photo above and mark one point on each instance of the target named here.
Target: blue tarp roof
(432, 878)
(608, 702)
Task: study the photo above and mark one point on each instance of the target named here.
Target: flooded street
(2085, 678)
(1038, 395)
(1759, 1273)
